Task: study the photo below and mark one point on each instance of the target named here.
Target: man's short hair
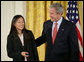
(58, 7)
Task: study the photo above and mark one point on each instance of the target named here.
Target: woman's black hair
(13, 28)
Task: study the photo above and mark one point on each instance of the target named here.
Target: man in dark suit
(60, 36)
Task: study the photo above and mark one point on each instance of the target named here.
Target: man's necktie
(54, 33)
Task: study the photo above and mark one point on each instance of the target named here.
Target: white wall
(8, 10)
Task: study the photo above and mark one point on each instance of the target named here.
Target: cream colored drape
(37, 13)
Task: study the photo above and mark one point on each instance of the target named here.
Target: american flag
(73, 16)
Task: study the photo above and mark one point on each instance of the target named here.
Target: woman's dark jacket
(14, 46)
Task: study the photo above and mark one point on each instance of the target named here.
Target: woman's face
(19, 24)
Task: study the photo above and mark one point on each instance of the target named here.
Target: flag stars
(76, 12)
(72, 17)
(70, 11)
(74, 1)
(72, 21)
(73, 11)
(73, 6)
(76, 17)
(67, 5)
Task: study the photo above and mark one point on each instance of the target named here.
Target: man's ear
(59, 15)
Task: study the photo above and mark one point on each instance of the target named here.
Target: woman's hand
(25, 54)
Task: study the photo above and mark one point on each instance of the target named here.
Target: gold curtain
(37, 13)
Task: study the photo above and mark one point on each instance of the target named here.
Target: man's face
(53, 15)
